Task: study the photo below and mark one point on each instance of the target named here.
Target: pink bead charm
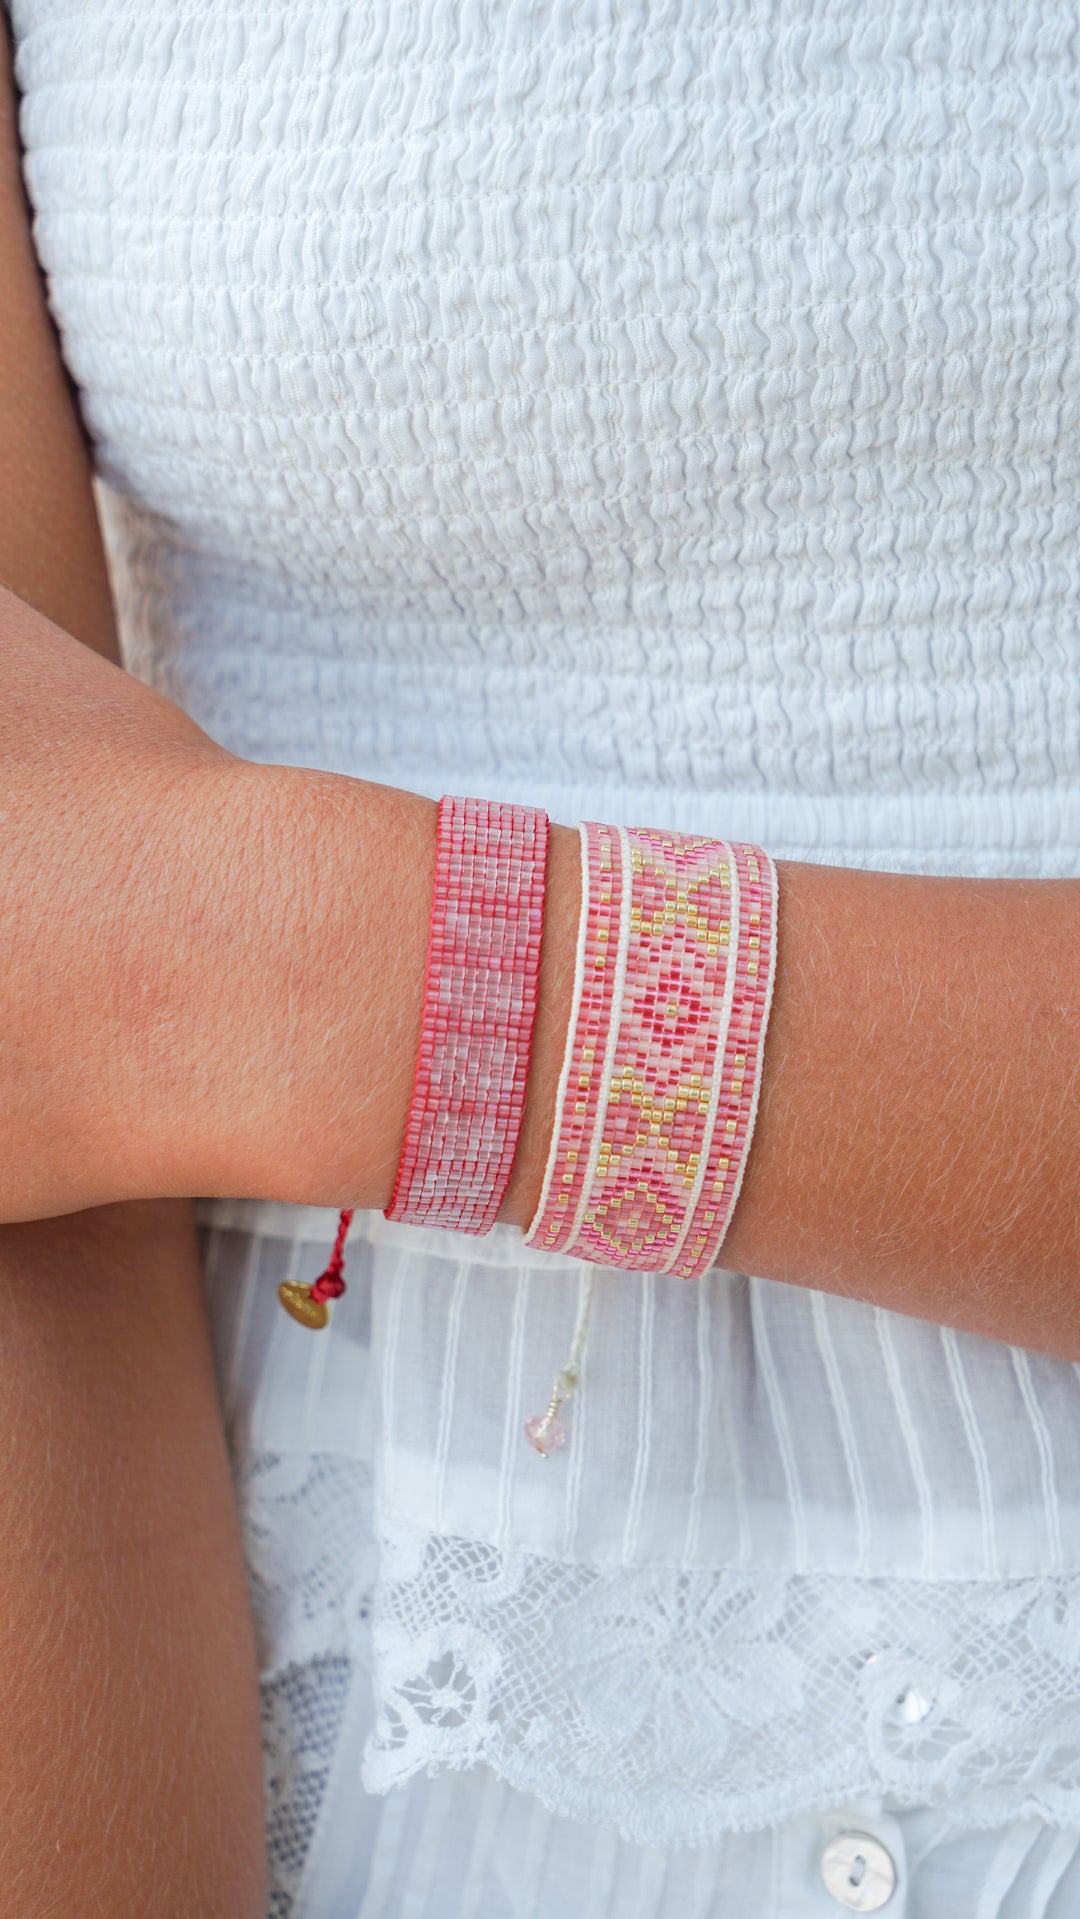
(544, 1434)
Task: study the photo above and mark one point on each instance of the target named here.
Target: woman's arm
(918, 1137)
(215, 979)
(918, 1140)
(130, 1744)
(253, 1010)
(214, 982)
(130, 1740)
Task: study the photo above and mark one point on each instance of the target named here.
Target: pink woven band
(659, 1088)
(480, 996)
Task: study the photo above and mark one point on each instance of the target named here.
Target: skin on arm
(918, 1135)
(130, 1763)
(247, 1021)
(221, 994)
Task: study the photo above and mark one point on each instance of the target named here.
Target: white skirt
(677, 1669)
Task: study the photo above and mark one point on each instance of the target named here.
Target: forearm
(214, 985)
(131, 1764)
(917, 1141)
(213, 971)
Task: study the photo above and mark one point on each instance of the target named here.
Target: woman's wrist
(307, 936)
(259, 992)
(314, 929)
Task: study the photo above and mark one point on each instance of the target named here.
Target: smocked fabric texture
(663, 414)
(666, 410)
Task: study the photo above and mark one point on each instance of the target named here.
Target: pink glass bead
(544, 1434)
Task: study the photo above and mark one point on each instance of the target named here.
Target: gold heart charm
(297, 1300)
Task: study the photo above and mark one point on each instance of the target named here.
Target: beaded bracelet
(658, 1094)
(480, 999)
(479, 1010)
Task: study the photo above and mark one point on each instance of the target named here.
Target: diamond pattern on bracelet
(662, 1068)
(744, 1039)
(480, 998)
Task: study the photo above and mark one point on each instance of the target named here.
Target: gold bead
(297, 1301)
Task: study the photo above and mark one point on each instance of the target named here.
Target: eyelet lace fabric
(311, 1563)
(797, 1552)
(674, 1705)
(678, 1705)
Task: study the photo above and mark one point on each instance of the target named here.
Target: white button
(912, 1705)
(858, 1871)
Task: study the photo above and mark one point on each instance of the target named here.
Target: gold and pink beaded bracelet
(659, 1087)
(658, 1093)
(479, 1009)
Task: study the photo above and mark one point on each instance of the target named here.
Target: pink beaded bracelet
(644, 1059)
(480, 999)
(658, 1093)
(754, 967)
(479, 1010)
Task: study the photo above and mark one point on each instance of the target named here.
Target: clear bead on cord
(545, 1432)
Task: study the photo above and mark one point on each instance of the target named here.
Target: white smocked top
(665, 413)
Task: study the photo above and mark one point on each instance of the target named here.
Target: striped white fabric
(738, 1422)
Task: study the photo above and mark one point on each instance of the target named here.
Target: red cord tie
(308, 1303)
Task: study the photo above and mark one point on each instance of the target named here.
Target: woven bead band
(659, 1087)
(480, 996)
